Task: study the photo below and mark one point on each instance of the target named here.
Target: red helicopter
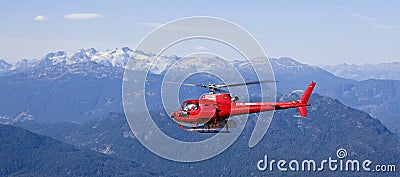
(211, 110)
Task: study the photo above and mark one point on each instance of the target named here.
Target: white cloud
(82, 16)
(41, 18)
(366, 19)
(151, 24)
(201, 48)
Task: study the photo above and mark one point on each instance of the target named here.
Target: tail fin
(307, 93)
(304, 99)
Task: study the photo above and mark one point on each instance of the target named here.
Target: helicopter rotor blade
(192, 85)
(214, 87)
(248, 83)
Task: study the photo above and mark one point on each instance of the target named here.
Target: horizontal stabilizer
(303, 111)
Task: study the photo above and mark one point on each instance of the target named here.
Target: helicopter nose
(173, 115)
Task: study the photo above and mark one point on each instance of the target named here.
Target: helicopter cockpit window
(190, 106)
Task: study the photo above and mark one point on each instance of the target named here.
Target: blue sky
(312, 32)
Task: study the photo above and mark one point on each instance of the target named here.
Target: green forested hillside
(23, 153)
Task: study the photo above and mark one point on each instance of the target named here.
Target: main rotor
(213, 88)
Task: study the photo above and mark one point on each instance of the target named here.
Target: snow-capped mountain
(4, 66)
(101, 63)
(82, 85)
(110, 63)
(388, 71)
(91, 59)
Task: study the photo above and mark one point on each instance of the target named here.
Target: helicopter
(210, 112)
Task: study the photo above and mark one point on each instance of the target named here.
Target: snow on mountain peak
(4, 66)
(111, 58)
(24, 64)
(286, 62)
(87, 60)
(56, 57)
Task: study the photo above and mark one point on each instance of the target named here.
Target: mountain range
(329, 126)
(76, 98)
(86, 84)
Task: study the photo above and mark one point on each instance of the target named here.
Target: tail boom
(239, 108)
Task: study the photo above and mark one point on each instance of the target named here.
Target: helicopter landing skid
(203, 130)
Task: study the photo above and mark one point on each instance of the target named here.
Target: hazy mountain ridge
(379, 98)
(70, 98)
(386, 71)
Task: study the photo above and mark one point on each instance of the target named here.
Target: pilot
(187, 107)
(190, 107)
